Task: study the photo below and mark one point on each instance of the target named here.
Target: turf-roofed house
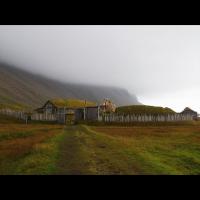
(191, 112)
(70, 110)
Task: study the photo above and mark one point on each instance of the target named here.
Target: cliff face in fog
(18, 86)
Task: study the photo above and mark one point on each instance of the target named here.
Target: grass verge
(29, 149)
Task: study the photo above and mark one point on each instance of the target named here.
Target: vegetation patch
(159, 150)
(11, 135)
(13, 106)
(83, 149)
(143, 109)
(42, 158)
(8, 120)
(29, 149)
(73, 103)
(86, 152)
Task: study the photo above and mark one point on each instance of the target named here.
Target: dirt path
(75, 153)
(85, 152)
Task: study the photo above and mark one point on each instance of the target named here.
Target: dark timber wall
(91, 113)
(79, 114)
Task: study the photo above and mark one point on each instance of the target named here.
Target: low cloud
(160, 64)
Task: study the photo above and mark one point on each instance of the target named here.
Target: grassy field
(132, 150)
(82, 149)
(28, 149)
(158, 150)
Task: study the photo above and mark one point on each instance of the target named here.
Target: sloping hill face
(21, 87)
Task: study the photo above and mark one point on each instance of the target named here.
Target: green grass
(133, 150)
(82, 149)
(14, 106)
(8, 120)
(73, 103)
(42, 159)
(171, 150)
(10, 135)
(143, 109)
(29, 149)
(86, 152)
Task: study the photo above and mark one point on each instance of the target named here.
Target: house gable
(191, 112)
(49, 108)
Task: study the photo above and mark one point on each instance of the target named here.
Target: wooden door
(70, 118)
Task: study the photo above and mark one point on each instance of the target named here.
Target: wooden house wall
(91, 113)
(192, 113)
(79, 114)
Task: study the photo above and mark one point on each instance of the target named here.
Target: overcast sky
(160, 64)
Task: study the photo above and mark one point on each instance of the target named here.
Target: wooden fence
(60, 118)
(146, 118)
(43, 117)
(23, 115)
(13, 113)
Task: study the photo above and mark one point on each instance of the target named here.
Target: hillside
(21, 88)
(143, 109)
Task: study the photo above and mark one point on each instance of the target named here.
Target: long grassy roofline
(143, 109)
(71, 103)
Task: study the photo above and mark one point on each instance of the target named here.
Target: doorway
(70, 118)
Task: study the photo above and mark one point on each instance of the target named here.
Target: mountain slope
(20, 87)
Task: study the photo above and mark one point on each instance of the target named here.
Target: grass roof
(72, 103)
(143, 109)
